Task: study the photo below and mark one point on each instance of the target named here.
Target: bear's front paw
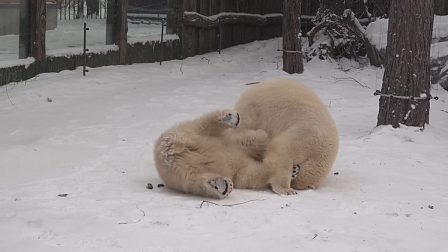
(232, 118)
(295, 171)
(222, 186)
(283, 191)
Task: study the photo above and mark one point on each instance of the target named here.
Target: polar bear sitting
(301, 132)
(208, 156)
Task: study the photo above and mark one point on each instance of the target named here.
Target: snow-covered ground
(93, 144)
(70, 35)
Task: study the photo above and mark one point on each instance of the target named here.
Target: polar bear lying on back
(301, 132)
(208, 156)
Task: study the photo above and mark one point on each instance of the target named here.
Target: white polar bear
(301, 132)
(207, 156)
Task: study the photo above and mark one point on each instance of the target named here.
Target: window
(145, 18)
(65, 24)
(9, 29)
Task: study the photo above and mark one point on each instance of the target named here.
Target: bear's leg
(208, 185)
(278, 162)
(255, 141)
(252, 176)
(256, 176)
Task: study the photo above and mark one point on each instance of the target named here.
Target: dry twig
(6, 87)
(351, 79)
(229, 205)
(252, 83)
(144, 214)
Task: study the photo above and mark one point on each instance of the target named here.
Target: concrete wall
(9, 21)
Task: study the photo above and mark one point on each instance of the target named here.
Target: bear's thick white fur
(206, 155)
(300, 128)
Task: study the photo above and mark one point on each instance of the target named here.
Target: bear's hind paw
(295, 171)
(222, 186)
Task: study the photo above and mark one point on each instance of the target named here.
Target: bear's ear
(232, 118)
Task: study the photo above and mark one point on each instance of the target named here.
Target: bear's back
(282, 104)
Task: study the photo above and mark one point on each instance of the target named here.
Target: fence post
(220, 37)
(161, 42)
(85, 50)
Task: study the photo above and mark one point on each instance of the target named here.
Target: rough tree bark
(407, 66)
(292, 45)
(441, 7)
(122, 30)
(38, 22)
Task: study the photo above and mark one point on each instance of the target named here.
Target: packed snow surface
(76, 157)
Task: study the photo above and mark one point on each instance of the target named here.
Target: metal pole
(85, 50)
(161, 42)
(220, 37)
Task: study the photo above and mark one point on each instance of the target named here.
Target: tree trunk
(407, 64)
(292, 45)
(441, 7)
(38, 22)
(122, 30)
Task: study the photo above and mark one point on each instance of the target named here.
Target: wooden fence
(206, 25)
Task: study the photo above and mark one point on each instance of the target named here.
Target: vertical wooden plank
(214, 40)
(38, 17)
(189, 34)
(237, 29)
(122, 30)
(208, 41)
(204, 34)
(274, 30)
(227, 30)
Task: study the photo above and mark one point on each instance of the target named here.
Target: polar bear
(208, 156)
(300, 128)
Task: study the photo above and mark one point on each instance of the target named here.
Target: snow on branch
(192, 18)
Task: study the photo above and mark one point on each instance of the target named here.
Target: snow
(387, 190)
(17, 62)
(235, 14)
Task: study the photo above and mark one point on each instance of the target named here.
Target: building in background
(10, 16)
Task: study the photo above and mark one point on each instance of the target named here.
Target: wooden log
(195, 19)
(38, 22)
